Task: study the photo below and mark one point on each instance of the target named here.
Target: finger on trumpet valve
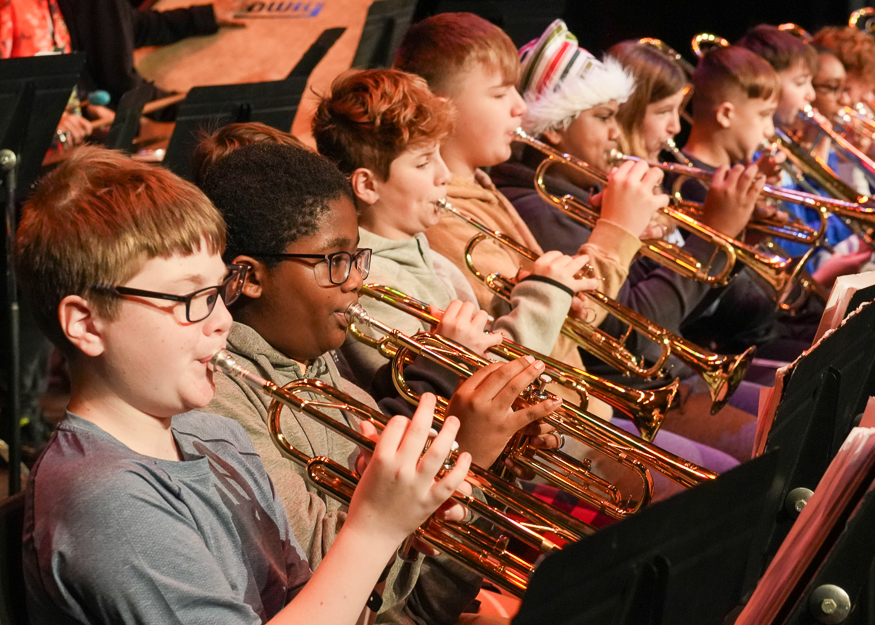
(588, 271)
(450, 460)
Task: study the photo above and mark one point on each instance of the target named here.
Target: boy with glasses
(292, 222)
(142, 509)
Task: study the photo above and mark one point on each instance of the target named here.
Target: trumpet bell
(705, 41)
(863, 19)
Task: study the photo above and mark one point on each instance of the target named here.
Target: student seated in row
(291, 221)
(475, 66)
(575, 110)
(382, 127)
(384, 130)
(735, 96)
(143, 509)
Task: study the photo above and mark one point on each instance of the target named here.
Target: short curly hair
(854, 48)
(271, 195)
(215, 146)
(372, 116)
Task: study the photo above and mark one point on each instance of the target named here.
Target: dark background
(599, 25)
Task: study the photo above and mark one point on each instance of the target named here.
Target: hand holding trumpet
(401, 485)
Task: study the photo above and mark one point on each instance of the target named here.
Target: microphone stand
(12, 398)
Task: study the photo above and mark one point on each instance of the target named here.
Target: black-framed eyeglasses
(340, 264)
(832, 89)
(200, 303)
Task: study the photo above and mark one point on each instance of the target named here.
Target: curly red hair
(372, 116)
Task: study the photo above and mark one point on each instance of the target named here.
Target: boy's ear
(81, 325)
(252, 285)
(724, 114)
(365, 185)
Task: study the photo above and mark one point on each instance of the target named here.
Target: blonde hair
(443, 47)
(95, 220)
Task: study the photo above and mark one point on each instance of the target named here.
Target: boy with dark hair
(141, 509)
(292, 222)
(796, 63)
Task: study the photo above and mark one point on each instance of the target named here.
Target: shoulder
(213, 429)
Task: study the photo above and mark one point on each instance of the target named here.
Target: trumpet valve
(537, 392)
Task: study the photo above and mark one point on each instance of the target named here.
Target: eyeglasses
(339, 263)
(198, 305)
(832, 90)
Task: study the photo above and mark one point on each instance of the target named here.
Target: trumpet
(841, 143)
(721, 373)
(773, 271)
(797, 31)
(470, 546)
(646, 409)
(705, 41)
(562, 470)
(663, 252)
(670, 52)
(809, 200)
(856, 120)
(863, 19)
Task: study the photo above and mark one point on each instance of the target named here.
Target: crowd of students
(162, 497)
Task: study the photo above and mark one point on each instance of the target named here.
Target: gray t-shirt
(112, 536)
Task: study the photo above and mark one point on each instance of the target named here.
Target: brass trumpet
(646, 409)
(809, 200)
(775, 272)
(721, 373)
(842, 144)
(469, 545)
(562, 470)
(663, 252)
(856, 121)
(705, 41)
(797, 31)
(670, 52)
(863, 19)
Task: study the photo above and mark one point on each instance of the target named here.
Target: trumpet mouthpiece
(356, 314)
(223, 361)
(615, 157)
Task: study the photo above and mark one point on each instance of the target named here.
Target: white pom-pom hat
(559, 80)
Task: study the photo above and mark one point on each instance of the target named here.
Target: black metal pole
(12, 397)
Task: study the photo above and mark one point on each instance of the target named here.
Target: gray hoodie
(533, 318)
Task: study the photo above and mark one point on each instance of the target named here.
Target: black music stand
(688, 560)
(206, 109)
(384, 28)
(823, 399)
(845, 575)
(127, 118)
(33, 95)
